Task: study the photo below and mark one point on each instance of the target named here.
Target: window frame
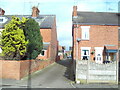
(85, 32)
(85, 48)
(44, 53)
(3, 19)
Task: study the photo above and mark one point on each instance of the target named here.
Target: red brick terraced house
(95, 36)
(48, 31)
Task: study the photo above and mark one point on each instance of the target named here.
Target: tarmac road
(57, 75)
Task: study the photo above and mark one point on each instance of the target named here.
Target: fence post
(117, 72)
(87, 72)
(117, 67)
(76, 71)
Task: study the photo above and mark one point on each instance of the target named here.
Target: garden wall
(19, 69)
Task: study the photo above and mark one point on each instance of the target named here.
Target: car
(69, 57)
(105, 62)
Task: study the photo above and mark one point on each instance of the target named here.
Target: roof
(111, 47)
(96, 18)
(45, 21)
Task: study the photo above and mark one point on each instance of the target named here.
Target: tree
(13, 43)
(33, 35)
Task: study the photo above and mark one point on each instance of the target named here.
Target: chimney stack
(74, 10)
(2, 12)
(35, 12)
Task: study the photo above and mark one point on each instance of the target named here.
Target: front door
(99, 55)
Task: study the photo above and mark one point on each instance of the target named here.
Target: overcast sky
(62, 9)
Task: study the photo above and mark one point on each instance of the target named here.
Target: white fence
(91, 72)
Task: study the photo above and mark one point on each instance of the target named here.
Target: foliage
(13, 41)
(33, 35)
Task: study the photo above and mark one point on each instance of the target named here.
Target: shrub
(13, 43)
(33, 35)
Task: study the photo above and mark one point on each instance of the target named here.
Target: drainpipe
(77, 54)
(76, 76)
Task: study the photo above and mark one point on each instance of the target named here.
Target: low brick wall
(19, 69)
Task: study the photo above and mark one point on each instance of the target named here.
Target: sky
(62, 9)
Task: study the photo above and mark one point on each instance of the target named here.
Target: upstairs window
(3, 19)
(85, 32)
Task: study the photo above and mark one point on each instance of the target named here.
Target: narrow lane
(58, 75)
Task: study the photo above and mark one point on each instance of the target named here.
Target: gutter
(96, 24)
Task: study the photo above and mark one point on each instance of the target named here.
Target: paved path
(57, 75)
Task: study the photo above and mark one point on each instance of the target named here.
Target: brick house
(95, 36)
(48, 31)
(61, 52)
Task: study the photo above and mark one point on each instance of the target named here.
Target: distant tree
(13, 41)
(33, 35)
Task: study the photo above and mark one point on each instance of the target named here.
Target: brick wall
(19, 69)
(54, 42)
(10, 69)
(50, 36)
(46, 34)
(99, 36)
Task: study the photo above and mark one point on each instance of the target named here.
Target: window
(42, 53)
(85, 53)
(85, 32)
(3, 19)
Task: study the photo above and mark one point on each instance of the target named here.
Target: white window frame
(85, 32)
(4, 19)
(85, 48)
(44, 53)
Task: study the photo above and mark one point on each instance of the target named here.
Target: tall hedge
(33, 35)
(13, 42)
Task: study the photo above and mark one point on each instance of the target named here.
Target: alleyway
(57, 75)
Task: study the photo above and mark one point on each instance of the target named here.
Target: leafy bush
(13, 43)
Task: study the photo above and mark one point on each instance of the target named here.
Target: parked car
(105, 62)
(69, 57)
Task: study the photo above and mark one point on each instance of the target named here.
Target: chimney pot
(35, 12)
(2, 12)
(74, 10)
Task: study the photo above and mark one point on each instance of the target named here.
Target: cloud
(64, 33)
(98, 5)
